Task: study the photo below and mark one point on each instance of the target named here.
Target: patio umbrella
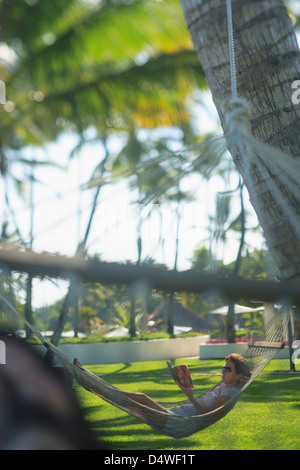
(237, 309)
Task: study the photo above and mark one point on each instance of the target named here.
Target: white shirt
(207, 400)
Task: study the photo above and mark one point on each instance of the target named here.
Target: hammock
(259, 353)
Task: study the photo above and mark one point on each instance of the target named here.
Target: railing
(93, 270)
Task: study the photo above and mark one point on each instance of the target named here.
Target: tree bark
(267, 63)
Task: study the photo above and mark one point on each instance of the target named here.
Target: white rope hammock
(259, 354)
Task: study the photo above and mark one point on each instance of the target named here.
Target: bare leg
(142, 399)
(145, 400)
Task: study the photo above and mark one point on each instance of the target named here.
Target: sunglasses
(226, 369)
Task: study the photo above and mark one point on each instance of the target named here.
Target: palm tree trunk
(71, 298)
(267, 63)
(28, 305)
(171, 315)
(230, 328)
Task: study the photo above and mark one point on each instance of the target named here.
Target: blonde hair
(241, 365)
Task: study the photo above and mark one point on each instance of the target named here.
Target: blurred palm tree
(80, 63)
(112, 65)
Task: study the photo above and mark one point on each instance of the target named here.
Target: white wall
(220, 351)
(133, 351)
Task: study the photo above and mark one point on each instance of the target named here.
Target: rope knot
(237, 114)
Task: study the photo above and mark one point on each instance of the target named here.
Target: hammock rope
(259, 157)
(231, 49)
(266, 169)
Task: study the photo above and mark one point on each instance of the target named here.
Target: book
(181, 375)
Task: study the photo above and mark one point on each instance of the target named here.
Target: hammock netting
(259, 353)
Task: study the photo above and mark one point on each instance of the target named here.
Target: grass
(267, 416)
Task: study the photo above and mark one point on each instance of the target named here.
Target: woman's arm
(189, 393)
(220, 402)
(200, 408)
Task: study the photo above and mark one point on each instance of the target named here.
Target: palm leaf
(98, 65)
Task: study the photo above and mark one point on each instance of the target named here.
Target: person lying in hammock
(235, 373)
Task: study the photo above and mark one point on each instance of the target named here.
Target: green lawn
(267, 417)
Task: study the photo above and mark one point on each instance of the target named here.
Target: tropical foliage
(115, 66)
(91, 63)
(119, 67)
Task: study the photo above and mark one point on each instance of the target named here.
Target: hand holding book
(181, 375)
